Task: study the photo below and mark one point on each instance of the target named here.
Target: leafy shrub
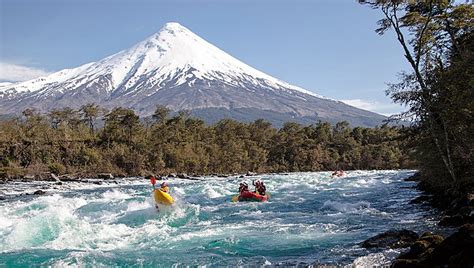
(57, 168)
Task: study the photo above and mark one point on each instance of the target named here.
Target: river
(310, 218)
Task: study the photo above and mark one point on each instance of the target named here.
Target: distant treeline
(68, 141)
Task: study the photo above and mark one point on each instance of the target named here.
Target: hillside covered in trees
(70, 141)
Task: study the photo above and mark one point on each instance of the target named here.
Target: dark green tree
(90, 113)
(436, 38)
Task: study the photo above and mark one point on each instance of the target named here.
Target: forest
(91, 140)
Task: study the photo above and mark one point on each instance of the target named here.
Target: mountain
(182, 71)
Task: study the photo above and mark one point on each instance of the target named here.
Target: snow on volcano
(177, 68)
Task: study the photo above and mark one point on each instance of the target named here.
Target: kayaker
(164, 187)
(244, 187)
(152, 180)
(338, 173)
(259, 187)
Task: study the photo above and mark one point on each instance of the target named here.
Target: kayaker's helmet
(244, 184)
(257, 182)
(164, 184)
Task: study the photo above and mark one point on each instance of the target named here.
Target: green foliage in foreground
(68, 141)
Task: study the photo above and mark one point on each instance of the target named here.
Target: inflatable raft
(162, 197)
(250, 197)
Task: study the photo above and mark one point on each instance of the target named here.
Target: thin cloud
(386, 109)
(15, 73)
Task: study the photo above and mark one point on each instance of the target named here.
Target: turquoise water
(310, 218)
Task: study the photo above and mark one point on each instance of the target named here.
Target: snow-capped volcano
(179, 69)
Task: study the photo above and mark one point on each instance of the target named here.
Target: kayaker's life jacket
(260, 189)
(243, 188)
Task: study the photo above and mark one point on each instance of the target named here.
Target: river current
(310, 218)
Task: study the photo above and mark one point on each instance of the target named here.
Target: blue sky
(326, 46)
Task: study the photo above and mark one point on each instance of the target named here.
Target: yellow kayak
(162, 197)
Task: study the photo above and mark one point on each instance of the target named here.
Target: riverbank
(430, 249)
(85, 177)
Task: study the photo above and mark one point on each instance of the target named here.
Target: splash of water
(310, 218)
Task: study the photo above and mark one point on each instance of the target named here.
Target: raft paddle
(153, 182)
(235, 198)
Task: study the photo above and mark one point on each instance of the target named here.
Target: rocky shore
(429, 249)
(48, 176)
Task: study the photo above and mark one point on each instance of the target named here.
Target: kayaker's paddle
(235, 198)
(153, 182)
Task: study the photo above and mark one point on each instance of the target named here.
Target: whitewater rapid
(310, 218)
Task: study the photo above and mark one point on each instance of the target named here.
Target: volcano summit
(180, 70)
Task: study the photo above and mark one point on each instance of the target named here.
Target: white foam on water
(118, 217)
(35, 227)
(136, 205)
(76, 259)
(57, 226)
(178, 190)
(115, 194)
(208, 232)
(381, 259)
(345, 207)
(214, 189)
(210, 192)
(5, 220)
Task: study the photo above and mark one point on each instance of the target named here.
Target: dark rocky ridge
(208, 101)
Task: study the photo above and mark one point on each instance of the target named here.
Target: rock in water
(432, 251)
(391, 239)
(427, 242)
(39, 192)
(27, 178)
(457, 250)
(105, 176)
(55, 178)
(48, 176)
(452, 221)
